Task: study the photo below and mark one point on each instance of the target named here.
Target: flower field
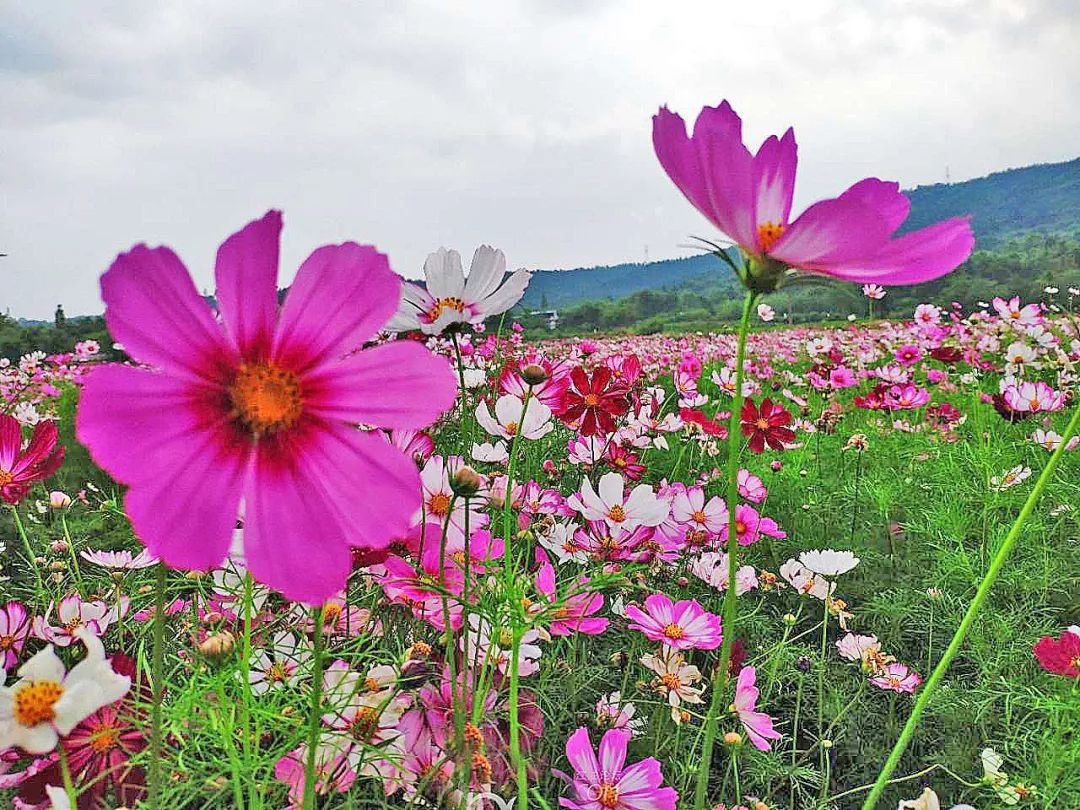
(372, 548)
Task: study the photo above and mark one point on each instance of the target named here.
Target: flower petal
(830, 232)
(580, 753)
(774, 179)
(612, 754)
(342, 295)
(396, 385)
(154, 310)
(246, 276)
(915, 257)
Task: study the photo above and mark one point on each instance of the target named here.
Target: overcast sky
(523, 124)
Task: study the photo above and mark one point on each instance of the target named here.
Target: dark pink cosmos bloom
(767, 425)
(14, 630)
(261, 409)
(605, 782)
(758, 725)
(19, 468)
(748, 197)
(575, 612)
(682, 625)
(1060, 656)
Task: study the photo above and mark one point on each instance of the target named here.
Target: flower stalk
(730, 612)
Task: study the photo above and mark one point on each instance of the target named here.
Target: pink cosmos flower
(604, 783)
(1032, 397)
(1017, 315)
(749, 526)
(751, 487)
(20, 467)
(120, 560)
(898, 678)
(690, 507)
(749, 198)
(14, 630)
(610, 503)
(875, 292)
(758, 725)
(906, 397)
(73, 615)
(575, 614)
(261, 408)
(682, 625)
(1061, 655)
(712, 567)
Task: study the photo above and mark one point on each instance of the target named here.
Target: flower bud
(732, 738)
(58, 547)
(465, 482)
(58, 500)
(217, 645)
(789, 619)
(534, 374)
(777, 465)
(58, 565)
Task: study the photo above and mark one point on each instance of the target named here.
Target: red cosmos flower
(766, 425)
(591, 405)
(626, 462)
(947, 354)
(711, 427)
(20, 468)
(1060, 656)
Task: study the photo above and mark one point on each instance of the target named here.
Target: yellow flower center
(34, 703)
(673, 631)
(275, 672)
(617, 514)
(331, 612)
(768, 233)
(592, 400)
(104, 739)
(365, 724)
(762, 424)
(607, 795)
(5, 478)
(439, 504)
(266, 398)
(698, 516)
(671, 681)
(511, 428)
(7, 642)
(444, 304)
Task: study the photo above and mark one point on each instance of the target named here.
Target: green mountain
(1003, 206)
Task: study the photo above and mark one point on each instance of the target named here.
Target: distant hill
(1004, 206)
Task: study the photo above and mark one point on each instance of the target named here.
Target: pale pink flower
(898, 678)
(610, 503)
(758, 725)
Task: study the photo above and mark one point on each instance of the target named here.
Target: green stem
(31, 558)
(969, 617)
(515, 733)
(314, 718)
(65, 773)
(157, 677)
(245, 677)
(720, 677)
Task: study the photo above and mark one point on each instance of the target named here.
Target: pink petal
(660, 608)
(641, 776)
(396, 385)
(582, 757)
(774, 179)
(830, 232)
(42, 443)
(342, 295)
(10, 441)
(184, 460)
(154, 310)
(915, 257)
(612, 754)
(246, 276)
(313, 493)
(882, 196)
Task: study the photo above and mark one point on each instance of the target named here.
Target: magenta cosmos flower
(258, 411)
(603, 783)
(748, 197)
(20, 467)
(758, 725)
(683, 625)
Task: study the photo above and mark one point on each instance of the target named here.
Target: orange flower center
(105, 739)
(481, 768)
(266, 398)
(698, 516)
(740, 527)
(617, 514)
(592, 400)
(673, 631)
(444, 304)
(768, 233)
(365, 724)
(275, 672)
(331, 612)
(34, 703)
(7, 642)
(439, 504)
(762, 424)
(671, 681)
(371, 685)
(511, 428)
(5, 478)
(607, 795)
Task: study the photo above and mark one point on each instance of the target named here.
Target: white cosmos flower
(46, 702)
(494, 453)
(829, 563)
(509, 421)
(806, 581)
(452, 298)
(609, 503)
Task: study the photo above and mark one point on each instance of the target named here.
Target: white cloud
(523, 124)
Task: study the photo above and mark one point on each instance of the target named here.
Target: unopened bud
(465, 482)
(682, 582)
(534, 374)
(59, 500)
(58, 547)
(789, 619)
(57, 566)
(826, 744)
(217, 645)
(732, 738)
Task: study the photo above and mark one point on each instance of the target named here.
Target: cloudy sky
(522, 123)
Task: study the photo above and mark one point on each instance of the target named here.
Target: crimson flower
(710, 427)
(591, 404)
(1061, 655)
(19, 467)
(766, 425)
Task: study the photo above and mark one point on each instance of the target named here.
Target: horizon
(522, 125)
